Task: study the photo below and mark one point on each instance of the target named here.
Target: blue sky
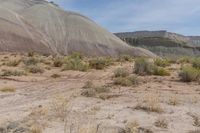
(181, 16)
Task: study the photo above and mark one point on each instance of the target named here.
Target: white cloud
(122, 15)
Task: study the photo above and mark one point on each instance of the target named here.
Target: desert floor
(41, 103)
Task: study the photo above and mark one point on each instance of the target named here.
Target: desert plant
(196, 63)
(122, 81)
(174, 101)
(88, 84)
(102, 89)
(121, 72)
(151, 104)
(160, 71)
(161, 122)
(161, 62)
(55, 76)
(76, 55)
(12, 73)
(31, 61)
(8, 89)
(35, 69)
(189, 74)
(133, 79)
(57, 62)
(13, 63)
(125, 58)
(100, 63)
(143, 67)
(185, 59)
(75, 64)
(36, 129)
(132, 127)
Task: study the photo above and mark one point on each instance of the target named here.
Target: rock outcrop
(42, 26)
(163, 43)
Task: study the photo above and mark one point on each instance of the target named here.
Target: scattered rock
(20, 130)
(12, 125)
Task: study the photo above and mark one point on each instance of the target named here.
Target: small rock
(20, 130)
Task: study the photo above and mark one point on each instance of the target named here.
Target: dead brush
(161, 122)
(150, 104)
(59, 106)
(174, 101)
(132, 127)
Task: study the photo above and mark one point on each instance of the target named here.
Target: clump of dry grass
(174, 101)
(36, 129)
(161, 123)
(161, 62)
(58, 62)
(132, 127)
(100, 63)
(150, 104)
(126, 81)
(31, 61)
(59, 106)
(6, 72)
(55, 76)
(35, 69)
(189, 74)
(90, 90)
(8, 89)
(13, 63)
(196, 121)
(143, 67)
(161, 71)
(88, 84)
(125, 58)
(121, 72)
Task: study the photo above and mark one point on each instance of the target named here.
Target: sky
(181, 16)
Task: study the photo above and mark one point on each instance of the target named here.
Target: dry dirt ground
(38, 103)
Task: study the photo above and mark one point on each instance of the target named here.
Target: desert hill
(163, 43)
(41, 26)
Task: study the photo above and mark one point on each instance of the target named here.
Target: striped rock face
(40, 26)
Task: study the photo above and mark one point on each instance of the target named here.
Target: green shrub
(185, 59)
(125, 58)
(100, 63)
(57, 62)
(133, 79)
(102, 89)
(13, 63)
(31, 61)
(161, 71)
(35, 69)
(122, 81)
(55, 76)
(161, 62)
(75, 64)
(31, 54)
(189, 74)
(143, 67)
(121, 72)
(196, 63)
(12, 73)
(76, 55)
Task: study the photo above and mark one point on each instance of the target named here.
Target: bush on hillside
(189, 74)
(143, 67)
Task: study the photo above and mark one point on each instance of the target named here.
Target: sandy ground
(35, 95)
